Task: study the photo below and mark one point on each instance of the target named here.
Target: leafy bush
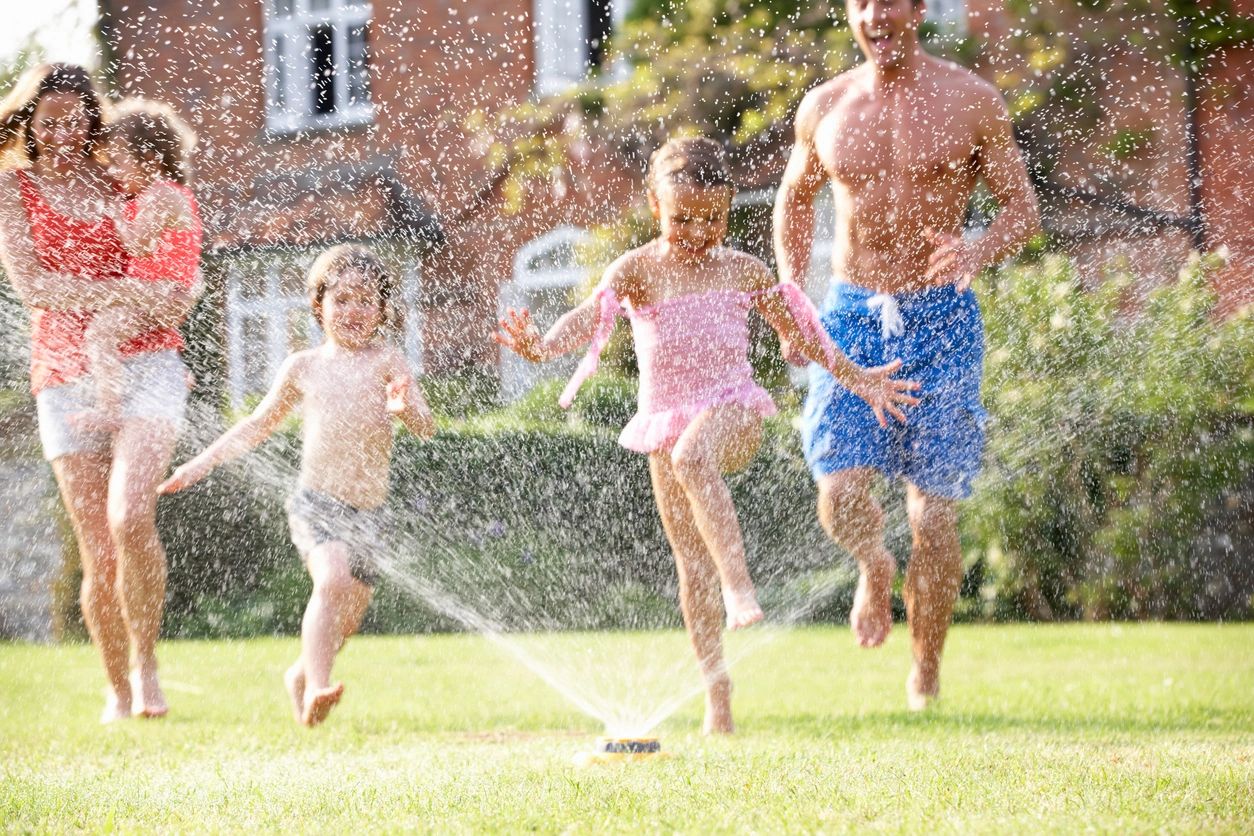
(1118, 481)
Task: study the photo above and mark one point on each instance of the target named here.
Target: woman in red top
(64, 259)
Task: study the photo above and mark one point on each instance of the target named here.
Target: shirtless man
(903, 140)
(349, 389)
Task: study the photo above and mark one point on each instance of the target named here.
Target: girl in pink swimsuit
(700, 414)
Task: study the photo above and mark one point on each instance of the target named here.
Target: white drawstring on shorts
(891, 323)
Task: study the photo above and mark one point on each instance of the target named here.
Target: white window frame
(273, 306)
(282, 113)
(950, 15)
(561, 52)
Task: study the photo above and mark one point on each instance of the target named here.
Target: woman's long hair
(17, 110)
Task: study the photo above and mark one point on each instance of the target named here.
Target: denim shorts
(939, 336)
(316, 518)
(154, 387)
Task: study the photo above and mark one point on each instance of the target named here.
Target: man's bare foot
(318, 703)
(117, 707)
(742, 608)
(149, 700)
(294, 681)
(922, 688)
(718, 713)
(95, 421)
(872, 614)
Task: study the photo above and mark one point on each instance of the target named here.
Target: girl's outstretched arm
(517, 332)
(284, 394)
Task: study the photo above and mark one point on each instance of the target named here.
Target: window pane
(282, 8)
(322, 68)
(359, 64)
(253, 353)
(297, 328)
(319, 5)
(251, 283)
(278, 72)
(291, 279)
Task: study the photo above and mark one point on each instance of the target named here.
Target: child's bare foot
(742, 608)
(294, 681)
(718, 713)
(872, 614)
(922, 687)
(117, 707)
(96, 421)
(149, 700)
(318, 703)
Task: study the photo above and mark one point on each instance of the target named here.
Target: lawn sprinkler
(621, 750)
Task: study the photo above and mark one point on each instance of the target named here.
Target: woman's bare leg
(721, 439)
(698, 591)
(141, 457)
(83, 480)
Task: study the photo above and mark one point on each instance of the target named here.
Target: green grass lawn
(1059, 728)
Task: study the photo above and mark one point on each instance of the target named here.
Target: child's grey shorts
(316, 518)
(154, 386)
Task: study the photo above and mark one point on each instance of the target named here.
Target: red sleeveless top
(92, 250)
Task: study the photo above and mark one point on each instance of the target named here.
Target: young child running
(148, 147)
(700, 414)
(348, 388)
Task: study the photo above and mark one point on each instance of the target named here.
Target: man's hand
(952, 261)
(519, 334)
(885, 393)
(185, 476)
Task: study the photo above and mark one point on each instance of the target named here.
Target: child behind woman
(349, 388)
(700, 413)
(149, 150)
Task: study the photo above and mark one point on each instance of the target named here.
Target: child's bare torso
(347, 434)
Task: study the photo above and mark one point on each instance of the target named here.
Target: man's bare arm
(794, 203)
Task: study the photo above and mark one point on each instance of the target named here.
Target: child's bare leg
(721, 439)
(83, 481)
(335, 610)
(294, 682)
(932, 582)
(698, 591)
(853, 518)
(141, 456)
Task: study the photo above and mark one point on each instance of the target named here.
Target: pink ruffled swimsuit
(693, 352)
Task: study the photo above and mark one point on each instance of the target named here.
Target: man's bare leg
(852, 517)
(932, 583)
(720, 440)
(83, 481)
(698, 592)
(333, 614)
(141, 457)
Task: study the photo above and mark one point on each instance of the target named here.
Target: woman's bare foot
(922, 687)
(149, 700)
(742, 608)
(872, 614)
(294, 681)
(718, 713)
(318, 703)
(117, 707)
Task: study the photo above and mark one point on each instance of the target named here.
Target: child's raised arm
(406, 402)
(574, 329)
(247, 434)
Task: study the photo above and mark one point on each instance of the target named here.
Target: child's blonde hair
(692, 161)
(154, 130)
(342, 258)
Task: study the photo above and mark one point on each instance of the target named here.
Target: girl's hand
(398, 395)
(884, 393)
(519, 334)
(185, 476)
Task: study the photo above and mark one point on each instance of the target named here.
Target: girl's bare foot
(149, 700)
(872, 614)
(922, 687)
(294, 681)
(718, 714)
(117, 707)
(318, 703)
(742, 608)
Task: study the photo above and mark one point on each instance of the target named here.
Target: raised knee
(692, 468)
(848, 512)
(333, 580)
(132, 524)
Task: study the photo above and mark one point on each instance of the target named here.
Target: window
(949, 14)
(317, 59)
(570, 37)
(268, 317)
